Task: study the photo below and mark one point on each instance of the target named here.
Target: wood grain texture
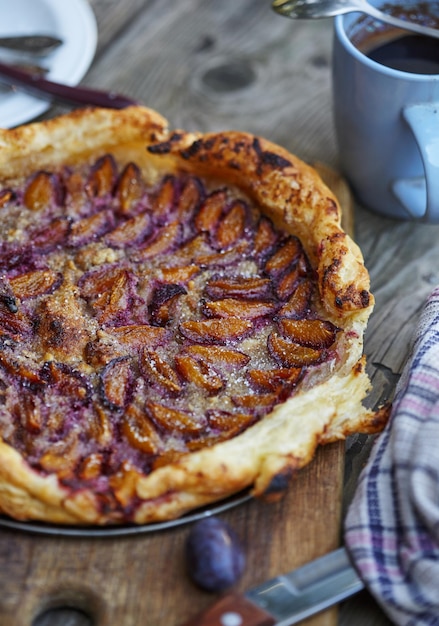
(209, 65)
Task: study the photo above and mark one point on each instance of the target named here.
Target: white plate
(72, 21)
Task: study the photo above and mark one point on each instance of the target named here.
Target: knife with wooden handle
(289, 598)
(36, 85)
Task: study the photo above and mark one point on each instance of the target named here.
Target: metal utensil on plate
(308, 9)
(39, 45)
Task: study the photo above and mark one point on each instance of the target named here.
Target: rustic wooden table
(210, 65)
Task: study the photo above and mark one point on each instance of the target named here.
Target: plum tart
(181, 317)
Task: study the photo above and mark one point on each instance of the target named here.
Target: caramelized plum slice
(20, 368)
(52, 235)
(133, 230)
(174, 421)
(190, 198)
(140, 431)
(116, 383)
(274, 379)
(130, 189)
(248, 288)
(199, 373)
(13, 324)
(62, 458)
(138, 335)
(314, 333)
(219, 356)
(98, 425)
(157, 370)
(209, 214)
(110, 291)
(42, 191)
(7, 196)
(216, 331)
(31, 412)
(285, 255)
(231, 423)
(36, 283)
(91, 467)
(102, 177)
(163, 200)
(233, 307)
(68, 381)
(231, 227)
(163, 303)
(265, 237)
(299, 303)
(89, 228)
(289, 354)
(179, 275)
(163, 241)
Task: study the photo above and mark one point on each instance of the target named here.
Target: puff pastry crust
(122, 340)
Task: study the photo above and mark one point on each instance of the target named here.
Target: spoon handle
(36, 85)
(400, 23)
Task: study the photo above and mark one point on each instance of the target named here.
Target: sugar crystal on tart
(181, 317)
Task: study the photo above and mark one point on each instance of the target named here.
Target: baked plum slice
(90, 228)
(290, 354)
(35, 283)
(7, 196)
(247, 288)
(265, 238)
(174, 421)
(130, 190)
(139, 430)
(116, 383)
(220, 357)
(43, 190)
(68, 382)
(315, 333)
(284, 256)
(199, 373)
(162, 241)
(272, 380)
(234, 307)
(208, 216)
(216, 331)
(189, 199)
(102, 177)
(53, 234)
(159, 372)
(298, 304)
(163, 303)
(231, 226)
(131, 231)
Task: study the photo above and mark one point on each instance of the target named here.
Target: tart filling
(147, 320)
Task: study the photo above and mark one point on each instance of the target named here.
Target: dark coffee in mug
(410, 53)
(397, 49)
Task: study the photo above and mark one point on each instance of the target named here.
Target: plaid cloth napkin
(392, 526)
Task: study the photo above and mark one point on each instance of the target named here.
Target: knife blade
(289, 598)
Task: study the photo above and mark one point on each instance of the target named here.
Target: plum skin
(215, 557)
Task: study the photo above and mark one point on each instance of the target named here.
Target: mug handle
(420, 196)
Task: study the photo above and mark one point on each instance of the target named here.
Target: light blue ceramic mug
(387, 124)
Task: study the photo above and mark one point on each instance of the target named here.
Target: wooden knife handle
(76, 95)
(232, 609)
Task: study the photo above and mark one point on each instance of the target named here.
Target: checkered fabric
(392, 526)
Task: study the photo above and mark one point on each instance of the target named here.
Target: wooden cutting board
(141, 580)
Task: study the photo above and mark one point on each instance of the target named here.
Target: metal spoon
(32, 44)
(329, 8)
